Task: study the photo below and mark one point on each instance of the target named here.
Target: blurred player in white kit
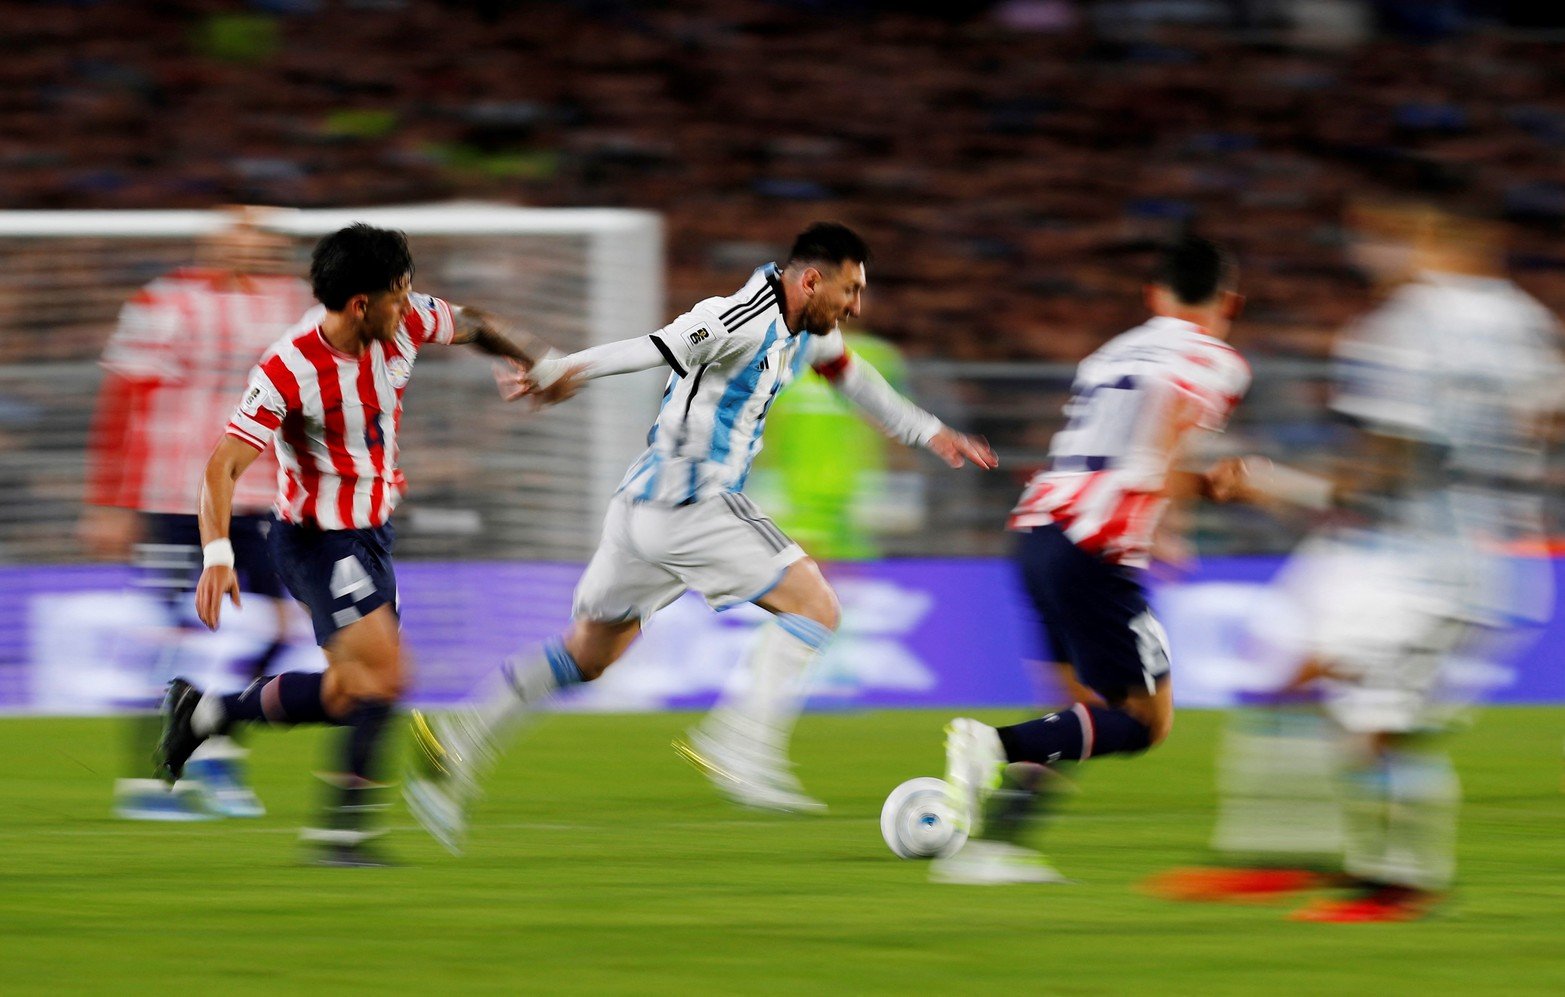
(1452, 385)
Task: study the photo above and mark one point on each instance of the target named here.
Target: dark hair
(359, 259)
(1195, 269)
(828, 242)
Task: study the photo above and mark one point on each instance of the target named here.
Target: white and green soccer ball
(919, 820)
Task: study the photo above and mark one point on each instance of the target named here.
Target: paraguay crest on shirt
(399, 371)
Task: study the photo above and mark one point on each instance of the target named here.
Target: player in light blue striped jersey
(680, 520)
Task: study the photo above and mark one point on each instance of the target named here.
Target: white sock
(759, 707)
(218, 746)
(519, 687)
(1402, 826)
(208, 716)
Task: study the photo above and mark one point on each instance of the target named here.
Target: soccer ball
(919, 821)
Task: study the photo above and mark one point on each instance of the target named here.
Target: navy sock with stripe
(1076, 734)
(281, 701)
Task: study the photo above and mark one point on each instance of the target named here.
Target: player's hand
(520, 382)
(109, 532)
(1229, 481)
(216, 581)
(563, 387)
(957, 448)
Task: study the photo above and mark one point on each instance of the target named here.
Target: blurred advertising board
(916, 633)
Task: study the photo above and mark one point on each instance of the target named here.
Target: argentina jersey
(729, 357)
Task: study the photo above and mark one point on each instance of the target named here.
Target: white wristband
(219, 552)
(1289, 484)
(548, 368)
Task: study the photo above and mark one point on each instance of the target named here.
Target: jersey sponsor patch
(252, 399)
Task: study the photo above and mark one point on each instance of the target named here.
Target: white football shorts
(1390, 613)
(722, 547)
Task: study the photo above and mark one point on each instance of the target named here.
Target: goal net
(488, 482)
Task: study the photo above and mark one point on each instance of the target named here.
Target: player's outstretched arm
(1258, 481)
(485, 332)
(215, 509)
(897, 417)
(554, 379)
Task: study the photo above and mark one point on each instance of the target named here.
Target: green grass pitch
(600, 863)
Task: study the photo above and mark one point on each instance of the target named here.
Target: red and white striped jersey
(335, 417)
(1132, 404)
(181, 352)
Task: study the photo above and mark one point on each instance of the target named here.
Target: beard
(818, 324)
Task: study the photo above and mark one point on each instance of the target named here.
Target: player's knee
(825, 609)
(1154, 717)
(817, 601)
(595, 646)
(387, 682)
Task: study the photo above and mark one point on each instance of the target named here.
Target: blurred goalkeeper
(180, 355)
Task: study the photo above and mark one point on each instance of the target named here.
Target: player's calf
(1077, 734)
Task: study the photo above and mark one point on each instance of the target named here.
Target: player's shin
(757, 712)
(515, 691)
(1401, 821)
(355, 793)
(283, 700)
(1076, 734)
(742, 745)
(1011, 807)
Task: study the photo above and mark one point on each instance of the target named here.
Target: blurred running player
(180, 355)
(1451, 384)
(680, 521)
(329, 395)
(1086, 527)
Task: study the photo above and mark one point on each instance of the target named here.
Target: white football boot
(974, 761)
(747, 774)
(449, 755)
(993, 863)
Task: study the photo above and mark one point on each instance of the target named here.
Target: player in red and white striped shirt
(181, 351)
(339, 453)
(1132, 405)
(329, 393)
(1086, 526)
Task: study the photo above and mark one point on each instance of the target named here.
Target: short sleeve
(145, 344)
(1215, 379)
(1231, 382)
(699, 337)
(430, 320)
(261, 411)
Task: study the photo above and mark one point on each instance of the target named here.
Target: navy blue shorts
(1092, 615)
(168, 558)
(341, 576)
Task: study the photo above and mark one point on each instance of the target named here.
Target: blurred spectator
(1008, 160)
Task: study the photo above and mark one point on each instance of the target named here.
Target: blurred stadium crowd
(1010, 162)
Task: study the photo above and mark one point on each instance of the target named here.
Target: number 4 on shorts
(347, 577)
